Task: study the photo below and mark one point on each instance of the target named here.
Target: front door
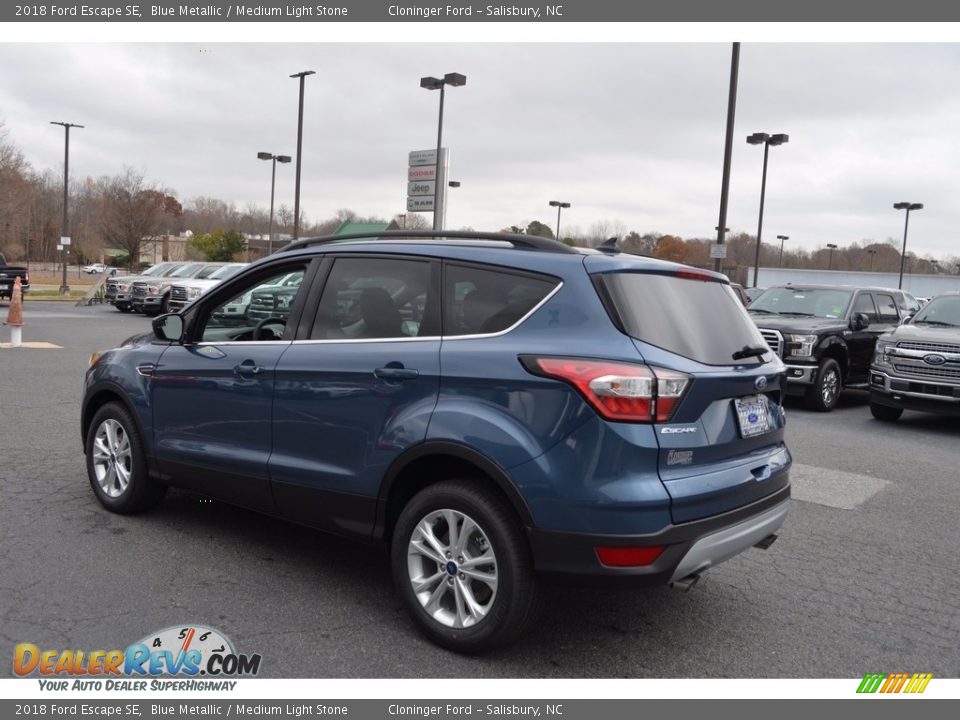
(213, 395)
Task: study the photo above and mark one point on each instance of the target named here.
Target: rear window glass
(700, 320)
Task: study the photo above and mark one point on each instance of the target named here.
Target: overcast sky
(627, 132)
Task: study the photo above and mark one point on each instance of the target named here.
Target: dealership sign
(422, 203)
(422, 172)
(421, 188)
(423, 157)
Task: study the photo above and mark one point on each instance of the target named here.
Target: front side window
(480, 301)
(864, 304)
(256, 310)
(375, 298)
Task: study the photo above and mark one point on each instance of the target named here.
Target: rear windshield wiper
(748, 352)
(761, 310)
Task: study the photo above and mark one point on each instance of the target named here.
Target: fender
(454, 450)
(108, 387)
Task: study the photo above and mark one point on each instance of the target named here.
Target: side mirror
(169, 327)
(861, 321)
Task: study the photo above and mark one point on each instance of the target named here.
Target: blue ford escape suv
(500, 410)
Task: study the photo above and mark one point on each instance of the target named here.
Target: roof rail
(523, 242)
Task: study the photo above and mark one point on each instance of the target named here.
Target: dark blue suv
(500, 410)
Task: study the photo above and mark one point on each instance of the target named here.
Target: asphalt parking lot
(863, 578)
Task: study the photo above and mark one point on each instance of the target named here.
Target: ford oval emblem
(760, 383)
(934, 359)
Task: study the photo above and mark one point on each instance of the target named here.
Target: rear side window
(374, 298)
(887, 308)
(701, 320)
(479, 301)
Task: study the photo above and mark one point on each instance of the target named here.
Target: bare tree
(131, 211)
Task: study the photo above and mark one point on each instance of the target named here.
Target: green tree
(220, 245)
(538, 228)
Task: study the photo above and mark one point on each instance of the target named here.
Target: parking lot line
(34, 346)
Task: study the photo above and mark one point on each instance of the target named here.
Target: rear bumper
(691, 547)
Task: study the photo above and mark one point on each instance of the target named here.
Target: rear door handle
(248, 368)
(396, 373)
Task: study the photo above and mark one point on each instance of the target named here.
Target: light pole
(782, 239)
(908, 206)
(766, 140)
(559, 206)
(273, 184)
(832, 247)
(296, 196)
(871, 253)
(727, 153)
(404, 216)
(432, 83)
(64, 230)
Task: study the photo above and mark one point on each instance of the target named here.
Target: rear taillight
(617, 391)
(629, 556)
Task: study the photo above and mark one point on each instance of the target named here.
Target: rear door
(358, 391)
(721, 445)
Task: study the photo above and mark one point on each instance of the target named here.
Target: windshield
(701, 320)
(156, 269)
(796, 301)
(185, 271)
(939, 311)
(226, 271)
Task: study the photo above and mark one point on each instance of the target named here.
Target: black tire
(140, 492)
(124, 308)
(885, 412)
(509, 609)
(824, 394)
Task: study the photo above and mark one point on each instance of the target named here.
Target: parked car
(94, 269)
(118, 288)
(8, 277)
(825, 334)
(499, 410)
(237, 309)
(185, 292)
(151, 296)
(916, 366)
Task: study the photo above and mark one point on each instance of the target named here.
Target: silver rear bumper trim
(722, 545)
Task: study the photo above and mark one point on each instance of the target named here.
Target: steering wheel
(258, 328)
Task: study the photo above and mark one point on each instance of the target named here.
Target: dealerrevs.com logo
(186, 651)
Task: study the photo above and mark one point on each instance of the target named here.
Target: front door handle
(248, 368)
(396, 373)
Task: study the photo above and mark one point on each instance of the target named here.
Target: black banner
(443, 709)
(465, 11)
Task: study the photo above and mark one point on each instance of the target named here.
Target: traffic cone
(15, 314)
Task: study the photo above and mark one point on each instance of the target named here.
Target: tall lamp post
(273, 185)
(64, 230)
(871, 253)
(765, 140)
(832, 247)
(432, 83)
(908, 206)
(559, 206)
(782, 239)
(296, 196)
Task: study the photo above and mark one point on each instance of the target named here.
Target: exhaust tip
(767, 541)
(685, 584)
